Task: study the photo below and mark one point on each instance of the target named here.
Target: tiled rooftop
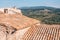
(16, 20)
(43, 32)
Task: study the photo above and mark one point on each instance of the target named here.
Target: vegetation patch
(47, 15)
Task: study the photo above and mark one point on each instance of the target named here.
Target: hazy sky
(28, 3)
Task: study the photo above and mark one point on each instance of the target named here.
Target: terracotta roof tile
(16, 20)
(42, 32)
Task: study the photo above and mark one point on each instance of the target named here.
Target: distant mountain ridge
(40, 8)
(36, 7)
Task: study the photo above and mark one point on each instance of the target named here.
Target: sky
(29, 3)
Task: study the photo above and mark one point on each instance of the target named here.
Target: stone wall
(9, 33)
(2, 33)
(6, 32)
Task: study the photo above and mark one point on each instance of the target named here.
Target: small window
(5, 10)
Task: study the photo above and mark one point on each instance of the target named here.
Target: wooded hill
(47, 15)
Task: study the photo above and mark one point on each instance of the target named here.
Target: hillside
(47, 15)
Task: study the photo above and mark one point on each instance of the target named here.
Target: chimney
(14, 7)
(5, 10)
